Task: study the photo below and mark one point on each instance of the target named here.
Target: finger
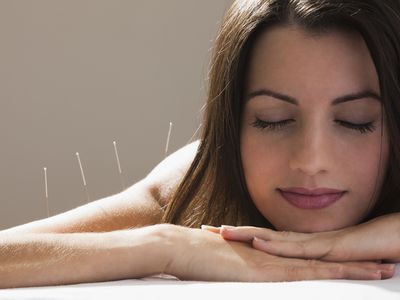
(307, 250)
(297, 269)
(247, 233)
(241, 234)
(355, 269)
(301, 249)
(387, 270)
(334, 271)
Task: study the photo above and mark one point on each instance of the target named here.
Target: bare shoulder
(167, 175)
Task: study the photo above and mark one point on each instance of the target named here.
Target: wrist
(170, 239)
(166, 244)
(147, 250)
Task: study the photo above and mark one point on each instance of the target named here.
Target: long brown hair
(213, 190)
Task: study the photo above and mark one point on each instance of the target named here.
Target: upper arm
(137, 206)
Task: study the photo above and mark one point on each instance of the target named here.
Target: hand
(202, 255)
(378, 239)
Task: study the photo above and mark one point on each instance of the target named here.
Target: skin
(186, 253)
(317, 158)
(376, 239)
(314, 150)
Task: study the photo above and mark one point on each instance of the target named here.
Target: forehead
(293, 60)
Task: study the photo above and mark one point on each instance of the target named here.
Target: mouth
(315, 199)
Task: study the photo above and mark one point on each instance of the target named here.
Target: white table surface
(159, 288)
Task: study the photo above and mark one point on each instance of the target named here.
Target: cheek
(370, 167)
(364, 165)
(258, 159)
(263, 163)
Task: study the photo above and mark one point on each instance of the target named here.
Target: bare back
(137, 206)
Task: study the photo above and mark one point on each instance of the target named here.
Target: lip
(311, 199)
(313, 192)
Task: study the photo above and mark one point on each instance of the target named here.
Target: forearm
(68, 258)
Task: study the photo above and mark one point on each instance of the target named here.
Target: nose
(311, 152)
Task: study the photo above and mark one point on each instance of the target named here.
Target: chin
(312, 228)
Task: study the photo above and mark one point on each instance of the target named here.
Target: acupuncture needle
(47, 194)
(194, 134)
(168, 137)
(83, 177)
(119, 165)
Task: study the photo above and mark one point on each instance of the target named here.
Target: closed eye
(362, 128)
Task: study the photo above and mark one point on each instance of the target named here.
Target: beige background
(76, 75)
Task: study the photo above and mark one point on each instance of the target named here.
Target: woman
(300, 140)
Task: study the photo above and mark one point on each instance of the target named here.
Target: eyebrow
(346, 98)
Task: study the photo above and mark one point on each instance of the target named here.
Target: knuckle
(264, 233)
(337, 250)
(292, 272)
(313, 263)
(247, 229)
(286, 234)
(325, 250)
(368, 264)
(338, 271)
(301, 248)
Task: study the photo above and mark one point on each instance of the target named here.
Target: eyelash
(362, 128)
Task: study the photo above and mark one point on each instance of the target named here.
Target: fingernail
(207, 227)
(378, 274)
(389, 267)
(227, 227)
(260, 241)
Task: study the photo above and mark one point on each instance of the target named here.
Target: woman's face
(317, 145)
